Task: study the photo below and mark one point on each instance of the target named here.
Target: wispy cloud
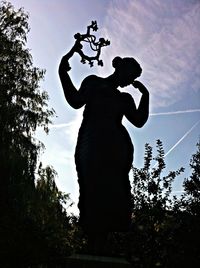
(164, 37)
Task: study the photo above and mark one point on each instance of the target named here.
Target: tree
(49, 214)
(33, 221)
(164, 228)
(192, 185)
(153, 221)
(23, 106)
(149, 188)
(186, 239)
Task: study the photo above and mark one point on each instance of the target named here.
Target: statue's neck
(112, 81)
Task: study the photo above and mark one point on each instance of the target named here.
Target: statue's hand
(64, 64)
(77, 46)
(140, 86)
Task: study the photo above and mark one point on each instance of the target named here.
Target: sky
(163, 36)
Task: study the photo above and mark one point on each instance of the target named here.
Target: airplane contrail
(182, 138)
(64, 125)
(57, 126)
(176, 112)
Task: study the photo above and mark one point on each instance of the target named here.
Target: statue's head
(126, 70)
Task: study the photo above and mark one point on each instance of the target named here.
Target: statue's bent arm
(137, 116)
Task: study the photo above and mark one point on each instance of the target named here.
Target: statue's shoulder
(90, 82)
(91, 79)
(126, 96)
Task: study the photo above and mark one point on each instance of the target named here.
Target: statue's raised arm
(72, 95)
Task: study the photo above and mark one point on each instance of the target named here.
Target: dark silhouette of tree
(165, 228)
(192, 185)
(49, 213)
(152, 210)
(151, 189)
(186, 238)
(23, 106)
(34, 225)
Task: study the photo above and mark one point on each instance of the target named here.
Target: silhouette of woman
(104, 151)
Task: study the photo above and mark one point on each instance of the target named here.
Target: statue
(104, 151)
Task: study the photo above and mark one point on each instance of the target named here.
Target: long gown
(103, 157)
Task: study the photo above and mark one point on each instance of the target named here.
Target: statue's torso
(101, 133)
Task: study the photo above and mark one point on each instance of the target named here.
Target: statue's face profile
(126, 76)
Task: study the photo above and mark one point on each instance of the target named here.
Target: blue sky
(162, 35)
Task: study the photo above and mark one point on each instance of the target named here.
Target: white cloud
(164, 37)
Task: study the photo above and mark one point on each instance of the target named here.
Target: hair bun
(116, 62)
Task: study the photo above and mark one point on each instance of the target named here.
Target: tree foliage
(33, 221)
(23, 106)
(150, 188)
(164, 227)
(192, 185)
(152, 210)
